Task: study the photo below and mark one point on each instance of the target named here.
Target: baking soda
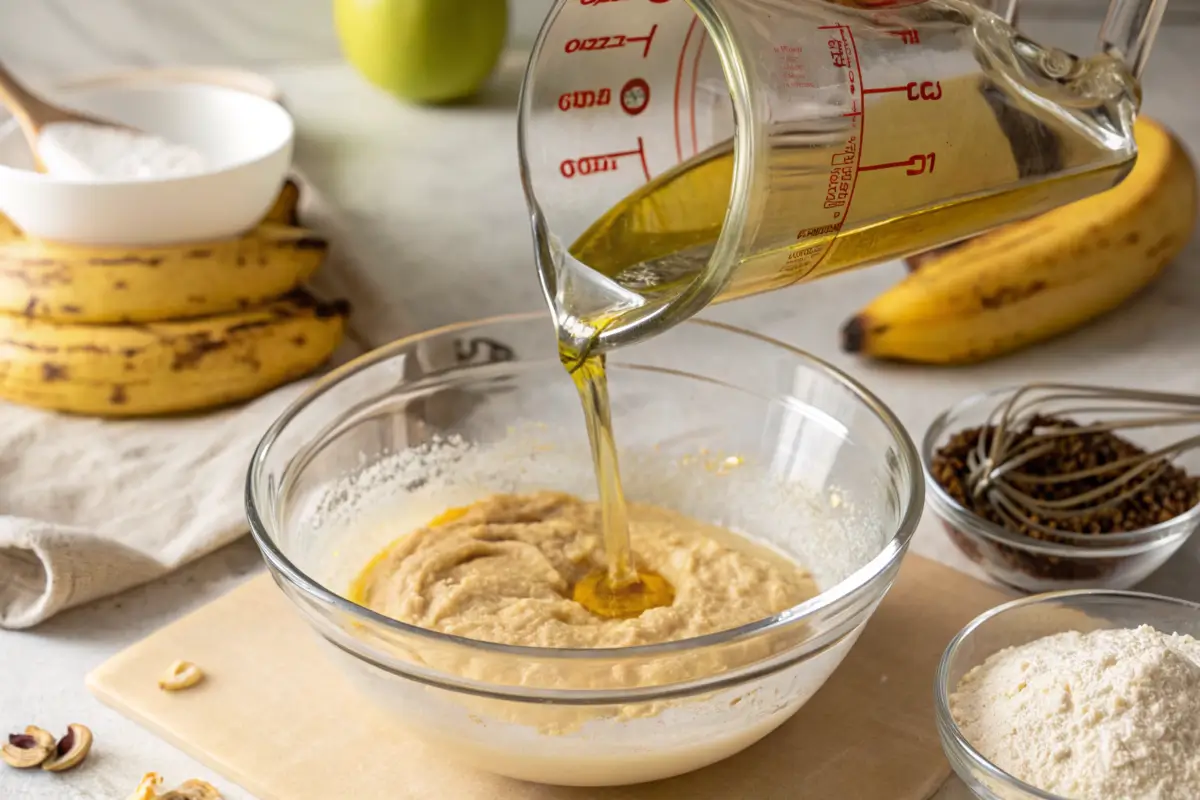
(84, 151)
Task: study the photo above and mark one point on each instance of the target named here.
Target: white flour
(82, 151)
(1106, 715)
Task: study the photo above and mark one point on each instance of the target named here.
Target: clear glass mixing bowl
(714, 422)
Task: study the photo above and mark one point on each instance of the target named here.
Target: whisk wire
(1027, 426)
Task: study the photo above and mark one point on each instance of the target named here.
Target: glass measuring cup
(678, 153)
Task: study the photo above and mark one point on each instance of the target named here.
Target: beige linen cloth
(89, 507)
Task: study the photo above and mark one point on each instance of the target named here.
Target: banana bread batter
(502, 570)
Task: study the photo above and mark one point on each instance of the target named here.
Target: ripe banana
(286, 208)
(74, 284)
(1034, 279)
(168, 367)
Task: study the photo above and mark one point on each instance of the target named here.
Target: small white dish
(245, 139)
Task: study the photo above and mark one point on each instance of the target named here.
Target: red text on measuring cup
(611, 42)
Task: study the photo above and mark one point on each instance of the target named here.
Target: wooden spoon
(33, 113)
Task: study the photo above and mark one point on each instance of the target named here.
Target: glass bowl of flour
(1077, 695)
(735, 431)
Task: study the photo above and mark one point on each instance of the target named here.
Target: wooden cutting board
(280, 720)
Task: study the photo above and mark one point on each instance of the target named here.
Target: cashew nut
(28, 749)
(193, 790)
(71, 750)
(188, 790)
(181, 675)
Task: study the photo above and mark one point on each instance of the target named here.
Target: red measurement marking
(584, 98)
(594, 43)
(604, 162)
(923, 90)
(918, 164)
(648, 39)
(678, 85)
(907, 35)
(635, 96)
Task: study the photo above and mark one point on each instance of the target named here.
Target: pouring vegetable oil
(621, 590)
(1028, 130)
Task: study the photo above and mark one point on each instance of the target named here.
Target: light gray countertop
(417, 215)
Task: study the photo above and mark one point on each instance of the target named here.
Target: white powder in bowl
(1106, 715)
(83, 151)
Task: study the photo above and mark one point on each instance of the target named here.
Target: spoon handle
(30, 110)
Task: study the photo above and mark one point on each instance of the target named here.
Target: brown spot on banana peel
(197, 346)
(311, 243)
(35, 277)
(118, 396)
(250, 361)
(1164, 245)
(1008, 295)
(198, 254)
(120, 285)
(241, 327)
(125, 261)
(29, 346)
(52, 372)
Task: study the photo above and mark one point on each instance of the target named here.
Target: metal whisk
(1026, 424)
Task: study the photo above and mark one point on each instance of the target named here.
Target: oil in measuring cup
(866, 136)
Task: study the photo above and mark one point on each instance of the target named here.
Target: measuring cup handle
(1006, 9)
(1129, 30)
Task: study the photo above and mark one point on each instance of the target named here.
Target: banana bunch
(1032, 280)
(120, 332)
(70, 283)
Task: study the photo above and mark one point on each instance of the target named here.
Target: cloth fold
(90, 507)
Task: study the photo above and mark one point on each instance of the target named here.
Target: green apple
(427, 51)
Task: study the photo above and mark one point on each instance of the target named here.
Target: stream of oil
(621, 590)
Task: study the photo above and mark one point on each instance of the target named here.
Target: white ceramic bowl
(246, 139)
